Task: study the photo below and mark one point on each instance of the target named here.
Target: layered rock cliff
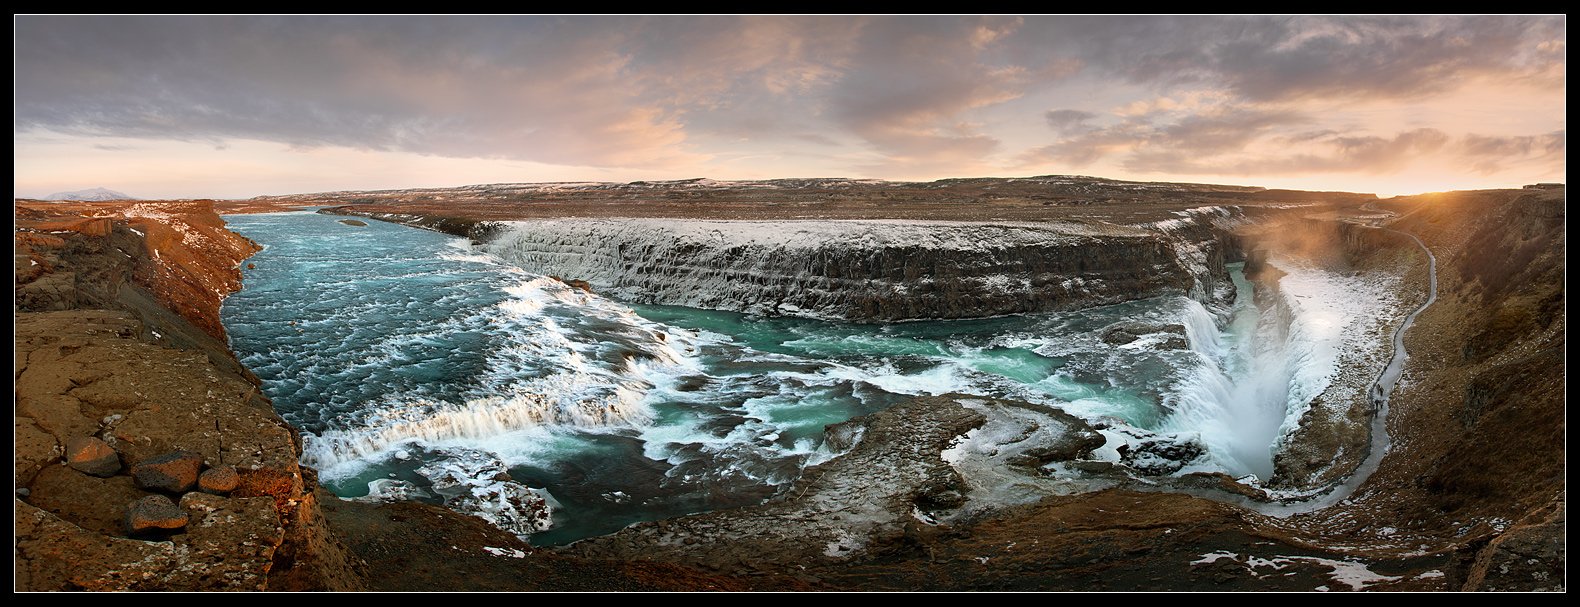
(879, 271)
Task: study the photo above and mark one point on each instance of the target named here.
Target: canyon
(119, 337)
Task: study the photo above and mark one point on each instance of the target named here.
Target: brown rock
(35, 449)
(154, 515)
(92, 456)
(219, 481)
(175, 472)
(90, 502)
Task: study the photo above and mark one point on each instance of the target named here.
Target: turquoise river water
(394, 349)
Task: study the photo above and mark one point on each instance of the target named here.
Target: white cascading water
(579, 392)
(1265, 369)
(1238, 398)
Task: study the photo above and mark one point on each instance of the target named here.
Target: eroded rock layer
(873, 270)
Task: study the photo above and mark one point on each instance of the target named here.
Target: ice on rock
(476, 482)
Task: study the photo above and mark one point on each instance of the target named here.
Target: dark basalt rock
(1121, 333)
(1161, 455)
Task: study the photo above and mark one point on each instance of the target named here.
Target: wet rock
(937, 496)
(354, 222)
(1093, 467)
(172, 472)
(393, 490)
(576, 283)
(1121, 333)
(220, 480)
(92, 456)
(467, 479)
(1160, 455)
(864, 498)
(1174, 342)
(154, 515)
(692, 384)
(842, 436)
(1221, 482)
(1076, 441)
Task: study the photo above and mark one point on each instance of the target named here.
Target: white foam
(543, 374)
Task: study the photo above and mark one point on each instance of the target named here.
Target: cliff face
(118, 338)
(873, 270)
(170, 263)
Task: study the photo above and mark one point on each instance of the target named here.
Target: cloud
(1356, 154)
(529, 89)
(912, 81)
(713, 62)
(1068, 121)
(1489, 154)
(1162, 135)
(1284, 58)
(915, 96)
(1256, 142)
(1090, 145)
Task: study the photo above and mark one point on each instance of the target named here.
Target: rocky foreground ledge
(119, 340)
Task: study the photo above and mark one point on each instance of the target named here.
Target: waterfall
(1235, 399)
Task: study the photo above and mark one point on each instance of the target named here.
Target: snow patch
(510, 552)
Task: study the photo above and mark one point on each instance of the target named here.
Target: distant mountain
(93, 194)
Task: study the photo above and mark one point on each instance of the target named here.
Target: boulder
(1161, 455)
(354, 222)
(220, 480)
(154, 515)
(575, 283)
(90, 455)
(175, 472)
(1124, 332)
(1174, 342)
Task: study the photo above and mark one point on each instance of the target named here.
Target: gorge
(978, 380)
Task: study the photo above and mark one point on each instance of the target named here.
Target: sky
(234, 107)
